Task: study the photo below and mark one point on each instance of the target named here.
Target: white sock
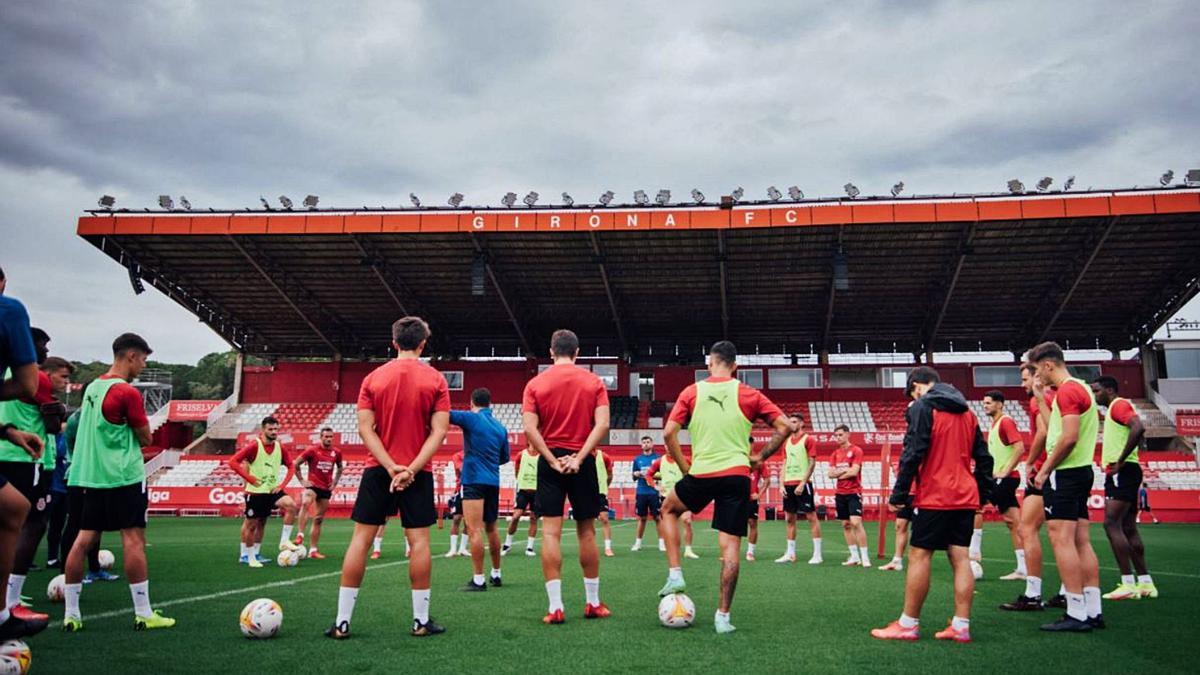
(1033, 587)
(245, 550)
(750, 548)
(554, 593)
(285, 534)
(141, 598)
(637, 542)
(4, 614)
(378, 544)
(464, 542)
(976, 549)
(817, 547)
(1076, 606)
(1091, 598)
(959, 623)
(1021, 562)
(478, 579)
(607, 544)
(896, 560)
(495, 572)
(591, 589)
(1062, 589)
(675, 574)
(854, 553)
(791, 547)
(661, 544)
(71, 597)
(421, 605)
(722, 616)
(508, 540)
(907, 621)
(257, 548)
(347, 596)
(16, 582)
(1128, 579)
(529, 543)
(453, 543)
(1144, 579)
(863, 555)
(687, 549)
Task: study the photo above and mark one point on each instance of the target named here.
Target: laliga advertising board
(209, 497)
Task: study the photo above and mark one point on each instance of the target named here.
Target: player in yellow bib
(799, 498)
(1066, 479)
(1123, 432)
(719, 413)
(259, 464)
(1006, 447)
(527, 470)
(604, 476)
(662, 475)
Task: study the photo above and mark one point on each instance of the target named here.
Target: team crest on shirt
(41, 505)
(249, 513)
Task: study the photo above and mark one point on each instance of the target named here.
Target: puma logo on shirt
(718, 401)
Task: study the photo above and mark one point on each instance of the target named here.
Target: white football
(15, 658)
(302, 551)
(676, 611)
(56, 590)
(261, 619)
(287, 558)
(106, 559)
(976, 570)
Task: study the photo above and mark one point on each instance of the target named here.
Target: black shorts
(939, 530)
(489, 494)
(31, 481)
(454, 504)
(1124, 485)
(1066, 493)
(799, 501)
(260, 504)
(554, 489)
(603, 503)
(376, 502)
(1030, 490)
(732, 497)
(1004, 495)
(647, 506)
(847, 505)
(524, 501)
(110, 509)
(321, 493)
(753, 514)
(905, 513)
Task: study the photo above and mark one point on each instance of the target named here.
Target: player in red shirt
(1007, 479)
(942, 441)
(903, 515)
(1041, 397)
(403, 415)
(324, 464)
(260, 503)
(566, 414)
(846, 467)
(1073, 428)
(798, 494)
(758, 491)
(459, 543)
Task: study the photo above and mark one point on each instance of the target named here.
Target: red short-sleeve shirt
(1122, 412)
(404, 394)
(754, 404)
(1073, 398)
(845, 458)
(123, 405)
(565, 398)
(1009, 435)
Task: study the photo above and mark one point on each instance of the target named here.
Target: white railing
(222, 408)
(163, 459)
(159, 418)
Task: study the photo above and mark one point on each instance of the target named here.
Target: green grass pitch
(790, 618)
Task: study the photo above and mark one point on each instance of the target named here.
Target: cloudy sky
(362, 103)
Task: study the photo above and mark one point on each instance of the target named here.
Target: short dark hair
(1107, 382)
(1047, 351)
(798, 415)
(128, 341)
(1029, 367)
(409, 332)
(329, 429)
(996, 395)
(39, 335)
(564, 343)
(269, 419)
(646, 438)
(725, 351)
(481, 397)
(53, 363)
(920, 375)
(842, 427)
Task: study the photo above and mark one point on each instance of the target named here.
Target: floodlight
(897, 188)
(287, 203)
(737, 194)
(774, 194)
(567, 200)
(851, 190)
(1015, 186)
(165, 203)
(107, 202)
(455, 199)
(416, 201)
(1166, 178)
(530, 199)
(1044, 184)
(509, 199)
(606, 198)
(795, 193)
(697, 196)
(663, 197)
(310, 202)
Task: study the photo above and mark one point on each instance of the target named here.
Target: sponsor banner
(1187, 422)
(190, 411)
